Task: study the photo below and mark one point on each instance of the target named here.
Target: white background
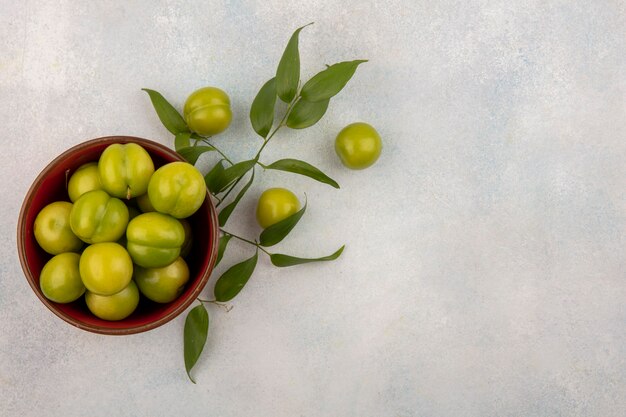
(484, 274)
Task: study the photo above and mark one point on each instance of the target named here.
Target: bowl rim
(21, 234)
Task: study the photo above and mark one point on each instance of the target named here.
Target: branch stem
(246, 241)
(280, 124)
(217, 303)
(218, 151)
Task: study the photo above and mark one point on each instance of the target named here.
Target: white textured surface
(485, 269)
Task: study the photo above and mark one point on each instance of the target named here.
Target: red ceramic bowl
(51, 185)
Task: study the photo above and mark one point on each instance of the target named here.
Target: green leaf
(306, 113)
(222, 248)
(230, 174)
(197, 137)
(277, 232)
(182, 140)
(288, 72)
(214, 176)
(232, 281)
(262, 110)
(169, 116)
(302, 168)
(228, 210)
(192, 153)
(330, 81)
(278, 259)
(196, 329)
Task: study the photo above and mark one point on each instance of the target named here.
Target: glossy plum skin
(207, 111)
(274, 205)
(358, 145)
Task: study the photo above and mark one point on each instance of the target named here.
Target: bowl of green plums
(118, 235)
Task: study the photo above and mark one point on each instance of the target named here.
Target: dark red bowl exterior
(51, 185)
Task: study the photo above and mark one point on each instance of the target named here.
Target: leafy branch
(306, 105)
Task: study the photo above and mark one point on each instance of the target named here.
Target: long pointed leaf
(303, 168)
(330, 81)
(305, 113)
(230, 174)
(182, 140)
(288, 72)
(228, 210)
(280, 260)
(169, 116)
(262, 110)
(277, 232)
(213, 178)
(232, 281)
(195, 334)
(221, 248)
(192, 153)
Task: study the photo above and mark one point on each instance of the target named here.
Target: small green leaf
(228, 210)
(278, 259)
(182, 140)
(330, 81)
(213, 178)
(306, 113)
(233, 280)
(222, 248)
(169, 116)
(196, 330)
(277, 232)
(230, 174)
(303, 168)
(288, 72)
(262, 110)
(192, 153)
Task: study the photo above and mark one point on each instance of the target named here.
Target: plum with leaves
(306, 104)
(274, 205)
